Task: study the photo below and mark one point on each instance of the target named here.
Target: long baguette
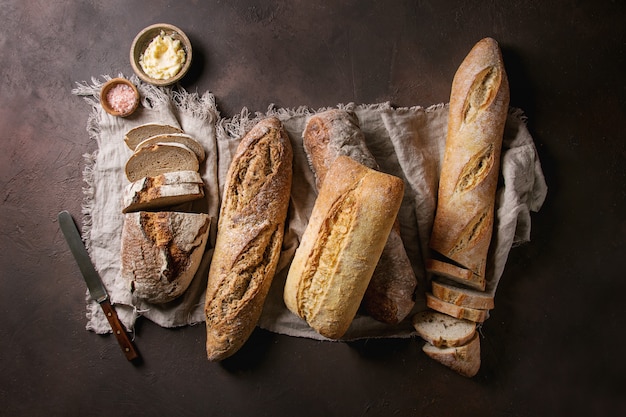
(249, 237)
(479, 102)
(390, 296)
(349, 225)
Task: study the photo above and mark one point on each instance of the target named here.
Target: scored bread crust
(478, 110)
(161, 252)
(249, 237)
(162, 191)
(160, 158)
(142, 132)
(465, 359)
(390, 295)
(340, 247)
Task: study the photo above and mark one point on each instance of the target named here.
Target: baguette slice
(161, 252)
(467, 313)
(157, 159)
(479, 103)
(165, 190)
(456, 273)
(340, 247)
(140, 133)
(181, 138)
(464, 297)
(442, 330)
(249, 237)
(390, 295)
(465, 360)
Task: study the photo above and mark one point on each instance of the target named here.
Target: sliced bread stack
(162, 245)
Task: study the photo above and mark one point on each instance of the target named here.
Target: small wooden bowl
(143, 39)
(107, 106)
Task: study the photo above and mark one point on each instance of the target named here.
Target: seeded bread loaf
(153, 160)
(161, 252)
(390, 295)
(140, 133)
(465, 360)
(340, 247)
(165, 190)
(249, 237)
(442, 330)
(478, 110)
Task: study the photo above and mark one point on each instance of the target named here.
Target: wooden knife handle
(119, 331)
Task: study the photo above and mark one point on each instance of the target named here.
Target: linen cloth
(408, 142)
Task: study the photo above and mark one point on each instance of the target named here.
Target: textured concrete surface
(551, 346)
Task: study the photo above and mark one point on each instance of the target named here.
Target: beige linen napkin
(407, 142)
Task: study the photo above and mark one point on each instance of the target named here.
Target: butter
(163, 58)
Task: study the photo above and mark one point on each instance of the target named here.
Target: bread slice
(181, 138)
(456, 273)
(464, 297)
(165, 190)
(161, 252)
(442, 330)
(140, 133)
(464, 360)
(157, 159)
(467, 313)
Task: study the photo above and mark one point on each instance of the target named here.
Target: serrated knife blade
(96, 288)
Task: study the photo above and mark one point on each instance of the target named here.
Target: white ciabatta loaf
(451, 292)
(442, 330)
(390, 295)
(465, 360)
(140, 133)
(479, 102)
(249, 237)
(165, 190)
(161, 252)
(181, 138)
(460, 312)
(160, 158)
(340, 247)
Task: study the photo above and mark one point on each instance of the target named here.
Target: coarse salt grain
(121, 98)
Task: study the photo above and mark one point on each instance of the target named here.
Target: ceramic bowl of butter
(161, 54)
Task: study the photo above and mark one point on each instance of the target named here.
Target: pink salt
(121, 98)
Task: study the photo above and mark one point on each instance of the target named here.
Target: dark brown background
(553, 345)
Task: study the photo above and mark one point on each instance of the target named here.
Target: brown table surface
(552, 345)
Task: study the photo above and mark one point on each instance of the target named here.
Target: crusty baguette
(467, 313)
(465, 360)
(162, 191)
(340, 247)
(478, 110)
(249, 237)
(390, 295)
(465, 297)
(442, 330)
(161, 252)
(140, 133)
(182, 138)
(160, 158)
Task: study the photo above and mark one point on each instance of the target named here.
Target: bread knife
(97, 291)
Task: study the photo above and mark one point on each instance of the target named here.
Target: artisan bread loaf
(452, 293)
(442, 330)
(181, 138)
(161, 252)
(478, 110)
(165, 190)
(460, 312)
(142, 132)
(160, 158)
(465, 360)
(340, 247)
(390, 295)
(249, 237)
